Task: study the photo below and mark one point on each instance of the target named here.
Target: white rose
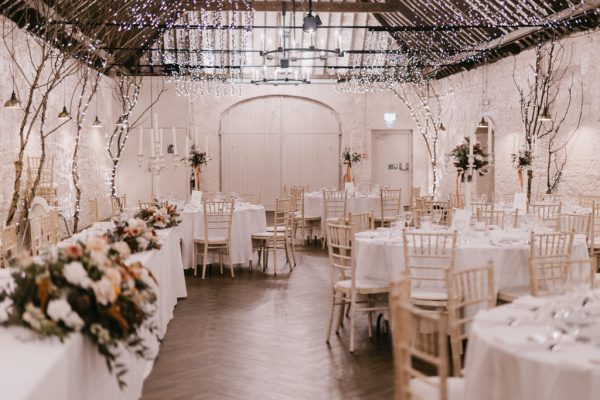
(58, 309)
(99, 258)
(143, 243)
(96, 244)
(113, 275)
(33, 316)
(74, 321)
(122, 248)
(104, 291)
(75, 274)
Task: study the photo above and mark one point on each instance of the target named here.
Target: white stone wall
(93, 159)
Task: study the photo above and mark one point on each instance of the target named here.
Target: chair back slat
(362, 221)
(549, 262)
(340, 239)
(547, 213)
(429, 257)
(499, 218)
(334, 204)
(391, 203)
(218, 216)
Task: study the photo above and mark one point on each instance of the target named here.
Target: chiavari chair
(429, 258)
(443, 207)
(391, 206)
(419, 335)
(420, 201)
(499, 218)
(549, 258)
(469, 290)
(479, 206)
(36, 236)
(334, 208)
(547, 213)
(346, 288)
(415, 192)
(93, 212)
(361, 221)
(587, 201)
(576, 223)
(594, 245)
(216, 234)
(9, 245)
(300, 219)
(50, 233)
(278, 236)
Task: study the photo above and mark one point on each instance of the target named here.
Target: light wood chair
(216, 235)
(93, 213)
(300, 218)
(278, 237)
(548, 253)
(420, 335)
(346, 288)
(50, 228)
(507, 198)
(9, 245)
(334, 208)
(476, 207)
(118, 205)
(251, 198)
(470, 290)
(445, 207)
(429, 259)
(415, 193)
(594, 244)
(46, 187)
(420, 202)
(362, 222)
(587, 201)
(547, 213)
(390, 206)
(36, 236)
(499, 218)
(576, 223)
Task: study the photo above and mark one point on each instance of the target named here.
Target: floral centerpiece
(197, 159)
(522, 160)
(135, 233)
(159, 216)
(86, 288)
(461, 159)
(350, 157)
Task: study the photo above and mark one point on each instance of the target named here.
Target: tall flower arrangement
(349, 158)
(86, 288)
(461, 159)
(197, 159)
(522, 160)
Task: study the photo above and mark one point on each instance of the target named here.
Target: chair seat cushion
(510, 294)
(364, 284)
(429, 293)
(423, 390)
(214, 239)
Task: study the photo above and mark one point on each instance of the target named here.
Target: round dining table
(515, 353)
(247, 220)
(355, 203)
(380, 254)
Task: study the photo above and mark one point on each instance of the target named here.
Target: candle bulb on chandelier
(187, 144)
(196, 137)
(152, 143)
(174, 131)
(206, 144)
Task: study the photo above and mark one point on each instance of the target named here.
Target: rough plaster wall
(582, 172)
(93, 159)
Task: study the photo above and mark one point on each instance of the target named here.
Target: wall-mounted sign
(398, 167)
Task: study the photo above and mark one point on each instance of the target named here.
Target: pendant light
(121, 121)
(442, 128)
(13, 103)
(97, 123)
(64, 114)
(483, 123)
(545, 117)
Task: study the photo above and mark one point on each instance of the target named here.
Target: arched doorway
(271, 141)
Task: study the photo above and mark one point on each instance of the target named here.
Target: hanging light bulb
(442, 128)
(64, 114)
(13, 102)
(97, 123)
(545, 117)
(483, 123)
(121, 121)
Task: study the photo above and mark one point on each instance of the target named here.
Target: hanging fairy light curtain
(207, 53)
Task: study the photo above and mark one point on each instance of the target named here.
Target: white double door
(278, 140)
(392, 160)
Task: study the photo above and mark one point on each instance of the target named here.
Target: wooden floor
(260, 337)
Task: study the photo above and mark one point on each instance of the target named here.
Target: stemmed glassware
(409, 215)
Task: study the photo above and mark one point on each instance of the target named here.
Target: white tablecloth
(47, 369)
(246, 222)
(504, 363)
(361, 203)
(383, 258)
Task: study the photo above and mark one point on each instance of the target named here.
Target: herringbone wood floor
(260, 337)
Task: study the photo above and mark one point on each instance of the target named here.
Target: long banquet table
(36, 369)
